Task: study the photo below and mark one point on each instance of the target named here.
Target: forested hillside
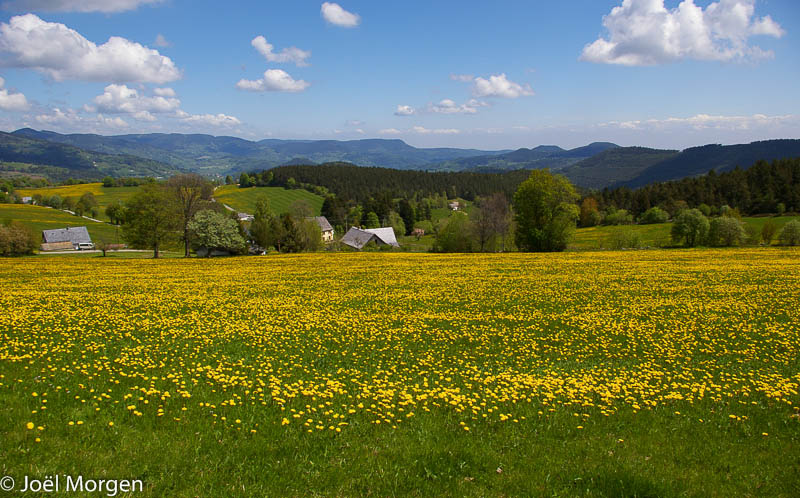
(59, 161)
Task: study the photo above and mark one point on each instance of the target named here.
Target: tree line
(765, 187)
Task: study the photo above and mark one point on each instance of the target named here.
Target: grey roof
(75, 235)
(323, 223)
(358, 238)
(386, 234)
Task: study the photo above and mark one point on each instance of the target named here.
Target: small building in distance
(245, 217)
(454, 205)
(27, 200)
(357, 238)
(325, 227)
(74, 235)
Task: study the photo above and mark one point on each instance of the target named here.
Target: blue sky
(511, 74)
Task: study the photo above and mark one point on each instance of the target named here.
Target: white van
(85, 246)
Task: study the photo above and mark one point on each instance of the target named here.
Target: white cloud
(448, 106)
(335, 14)
(389, 131)
(164, 92)
(119, 99)
(645, 32)
(466, 78)
(222, 120)
(63, 53)
(11, 101)
(705, 122)
(438, 131)
(290, 54)
(274, 80)
(499, 86)
(404, 110)
(353, 122)
(70, 119)
(107, 6)
(115, 122)
(161, 41)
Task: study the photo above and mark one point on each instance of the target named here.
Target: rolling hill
(59, 161)
(244, 200)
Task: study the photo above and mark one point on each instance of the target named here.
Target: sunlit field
(103, 195)
(638, 373)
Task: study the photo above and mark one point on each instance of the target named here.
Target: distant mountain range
(597, 165)
(212, 155)
(543, 156)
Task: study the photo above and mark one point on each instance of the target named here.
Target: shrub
(654, 215)
(16, 240)
(690, 227)
(726, 231)
(618, 217)
(625, 239)
(768, 232)
(790, 233)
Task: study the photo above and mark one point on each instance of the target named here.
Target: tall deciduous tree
(545, 212)
(150, 219)
(191, 192)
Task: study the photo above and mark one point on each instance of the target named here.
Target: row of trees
(691, 228)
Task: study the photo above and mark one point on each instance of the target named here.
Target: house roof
(75, 235)
(358, 238)
(323, 223)
(386, 235)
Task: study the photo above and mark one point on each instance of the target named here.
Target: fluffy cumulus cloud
(290, 54)
(499, 86)
(274, 80)
(108, 6)
(645, 32)
(389, 131)
(119, 99)
(63, 53)
(335, 14)
(11, 101)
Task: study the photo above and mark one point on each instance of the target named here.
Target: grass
(280, 199)
(639, 373)
(656, 235)
(103, 195)
(41, 218)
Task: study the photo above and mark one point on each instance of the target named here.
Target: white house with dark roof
(325, 227)
(75, 235)
(357, 238)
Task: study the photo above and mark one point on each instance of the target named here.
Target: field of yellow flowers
(649, 373)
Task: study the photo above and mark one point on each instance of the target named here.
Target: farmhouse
(245, 217)
(75, 235)
(358, 238)
(325, 227)
(454, 205)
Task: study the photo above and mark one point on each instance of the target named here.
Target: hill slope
(543, 156)
(60, 161)
(614, 166)
(700, 160)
